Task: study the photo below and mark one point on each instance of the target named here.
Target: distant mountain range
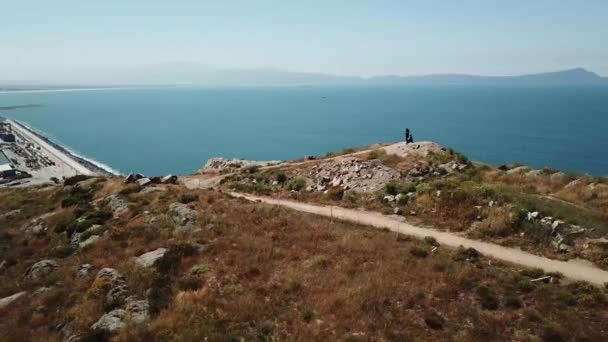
(199, 74)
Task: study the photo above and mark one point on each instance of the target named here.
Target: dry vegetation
(484, 202)
(267, 273)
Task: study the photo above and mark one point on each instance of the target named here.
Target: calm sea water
(175, 130)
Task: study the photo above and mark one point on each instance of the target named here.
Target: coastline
(80, 164)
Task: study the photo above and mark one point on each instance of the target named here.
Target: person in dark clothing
(409, 138)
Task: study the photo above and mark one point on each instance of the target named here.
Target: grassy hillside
(235, 270)
(444, 190)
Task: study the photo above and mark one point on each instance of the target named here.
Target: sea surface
(174, 130)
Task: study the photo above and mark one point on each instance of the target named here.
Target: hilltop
(140, 259)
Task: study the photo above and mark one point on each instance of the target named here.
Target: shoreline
(78, 163)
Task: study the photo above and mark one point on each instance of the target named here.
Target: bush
(553, 333)
(308, 315)
(188, 198)
(199, 269)
(466, 254)
(189, 283)
(335, 193)
(296, 184)
(487, 297)
(420, 251)
(431, 241)
(376, 153)
(394, 188)
(512, 302)
(281, 178)
(434, 321)
(75, 179)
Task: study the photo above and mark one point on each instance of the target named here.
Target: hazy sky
(340, 37)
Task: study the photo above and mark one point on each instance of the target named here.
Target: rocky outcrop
(181, 213)
(41, 269)
(351, 173)
(136, 311)
(420, 149)
(6, 301)
(563, 235)
(148, 259)
(222, 165)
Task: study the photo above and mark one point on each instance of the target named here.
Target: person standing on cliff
(409, 138)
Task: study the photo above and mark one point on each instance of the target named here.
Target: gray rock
(111, 322)
(148, 259)
(10, 215)
(3, 266)
(397, 211)
(144, 181)
(84, 270)
(39, 229)
(169, 179)
(6, 301)
(138, 310)
(118, 204)
(91, 240)
(389, 198)
(182, 214)
(41, 291)
(532, 215)
(116, 296)
(42, 269)
(113, 276)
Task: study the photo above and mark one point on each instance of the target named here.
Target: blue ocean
(175, 130)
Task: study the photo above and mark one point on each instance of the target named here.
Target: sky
(362, 38)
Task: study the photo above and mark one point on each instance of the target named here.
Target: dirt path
(572, 270)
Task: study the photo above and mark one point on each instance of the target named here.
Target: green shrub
(188, 198)
(468, 254)
(308, 315)
(199, 269)
(553, 333)
(512, 301)
(75, 179)
(376, 153)
(487, 297)
(434, 321)
(431, 241)
(296, 184)
(189, 283)
(420, 250)
(281, 178)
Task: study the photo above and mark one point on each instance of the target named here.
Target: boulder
(148, 259)
(41, 269)
(110, 322)
(182, 214)
(532, 215)
(144, 181)
(84, 270)
(389, 198)
(91, 240)
(112, 276)
(117, 204)
(6, 301)
(138, 310)
(116, 296)
(168, 179)
(132, 177)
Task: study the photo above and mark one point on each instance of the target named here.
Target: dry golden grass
(275, 274)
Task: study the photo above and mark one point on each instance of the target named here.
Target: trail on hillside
(572, 270)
